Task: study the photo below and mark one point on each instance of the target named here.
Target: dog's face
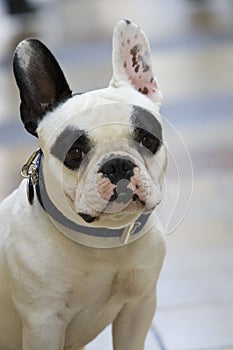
(103, 152)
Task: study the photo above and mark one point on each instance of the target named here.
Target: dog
(81, 246)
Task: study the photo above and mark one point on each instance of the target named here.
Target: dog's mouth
(117, 201)
(123, 193)
(132, 208)
(122, 202)
(111, 210)
(88, 218)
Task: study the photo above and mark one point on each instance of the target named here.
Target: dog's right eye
(75, 154)
(74, 158)
(71, 147)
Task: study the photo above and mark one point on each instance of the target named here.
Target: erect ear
(132, 60)
(40, 80)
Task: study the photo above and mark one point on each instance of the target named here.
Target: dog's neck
(99, 237)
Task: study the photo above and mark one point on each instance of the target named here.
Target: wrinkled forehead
(101, 119)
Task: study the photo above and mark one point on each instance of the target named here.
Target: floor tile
(201, 327)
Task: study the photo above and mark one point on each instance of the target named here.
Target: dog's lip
(126, 196)
(126, 207)
(90, 219)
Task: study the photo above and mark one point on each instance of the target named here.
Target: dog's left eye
(147, 140)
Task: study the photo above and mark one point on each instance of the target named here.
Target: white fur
(50, 281)
(56, 294)
(25, 61)
(106, 117)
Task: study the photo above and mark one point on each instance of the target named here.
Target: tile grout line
(158, 338)
(222, 347)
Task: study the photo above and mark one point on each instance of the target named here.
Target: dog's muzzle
(119, 171)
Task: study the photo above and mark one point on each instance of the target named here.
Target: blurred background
(192, 47)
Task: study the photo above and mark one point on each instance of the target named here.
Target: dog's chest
(104, 281)
(79, 277)
(100, 296)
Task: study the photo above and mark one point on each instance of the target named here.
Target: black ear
(40, 80)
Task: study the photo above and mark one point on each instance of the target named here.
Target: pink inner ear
(138, 68)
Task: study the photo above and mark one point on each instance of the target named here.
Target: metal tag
(30, 172)
(30, 191)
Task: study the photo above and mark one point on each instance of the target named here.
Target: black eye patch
(71, 146)
(147, 130)
(147, 140)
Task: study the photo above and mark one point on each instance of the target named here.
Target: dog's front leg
(132, 324)
(41, 334)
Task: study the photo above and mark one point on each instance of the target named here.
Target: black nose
(117, 169)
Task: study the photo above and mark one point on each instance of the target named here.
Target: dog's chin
(110, 220)
(117, 214)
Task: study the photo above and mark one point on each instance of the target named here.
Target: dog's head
(103, 152)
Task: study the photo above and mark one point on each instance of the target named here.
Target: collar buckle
(128, 231)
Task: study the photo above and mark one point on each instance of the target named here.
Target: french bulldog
(81, 246)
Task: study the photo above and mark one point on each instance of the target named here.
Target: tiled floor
(193, 58)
